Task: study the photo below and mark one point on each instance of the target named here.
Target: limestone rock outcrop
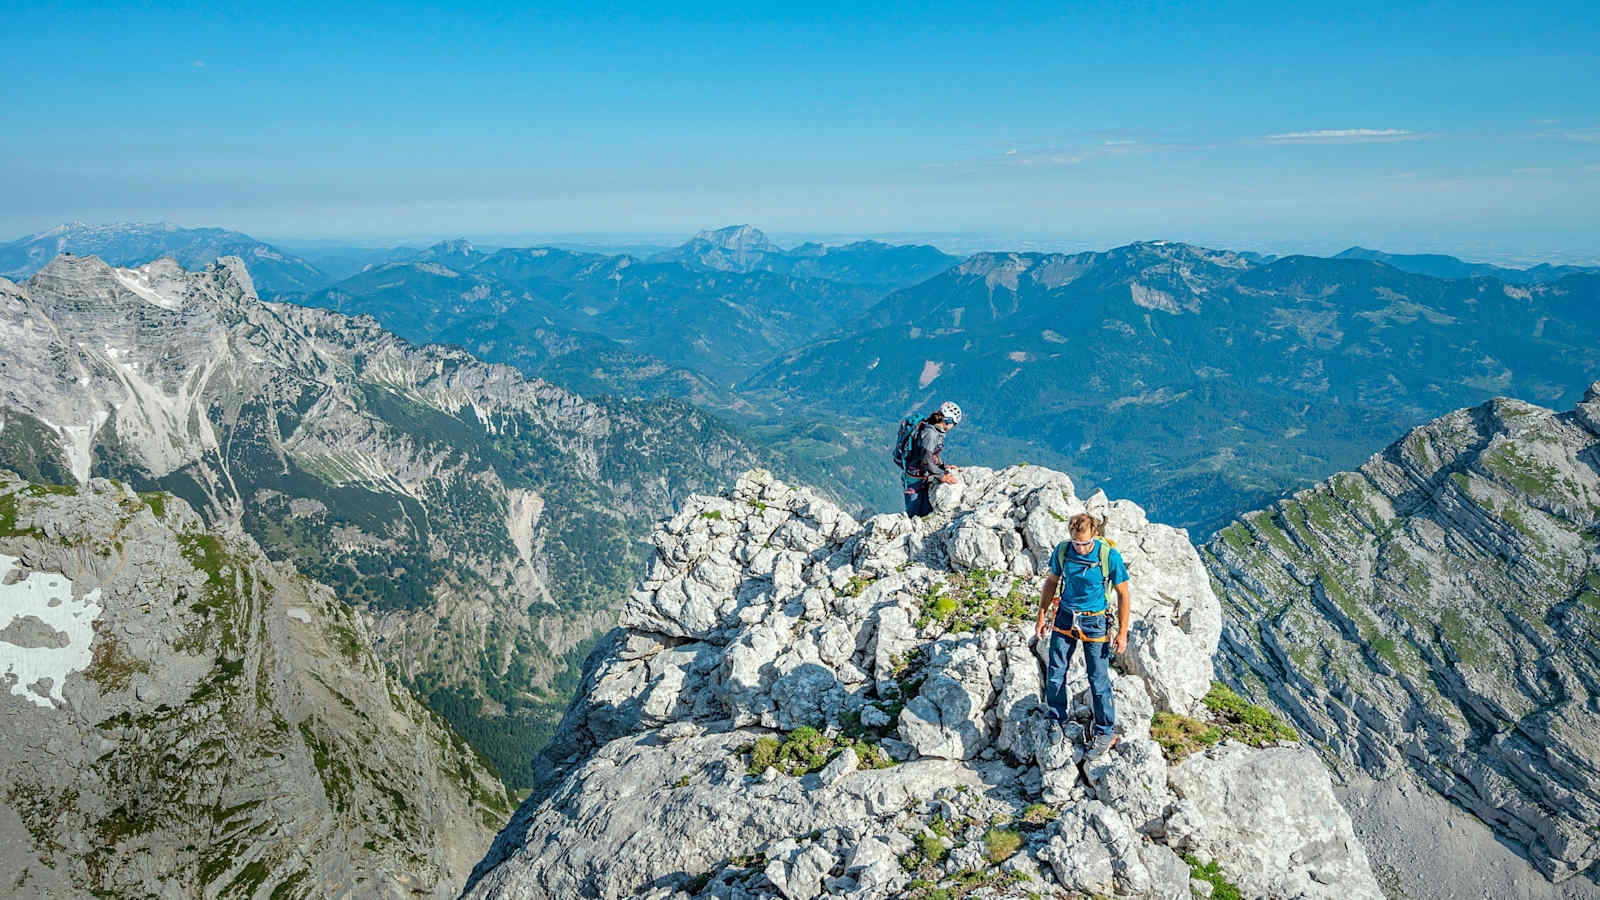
(798, 704)
(180, 717)
(1434, 615)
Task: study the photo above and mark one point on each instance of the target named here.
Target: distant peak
(737, 237)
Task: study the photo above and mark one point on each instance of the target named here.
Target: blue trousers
(1096, 657)
(917, 501)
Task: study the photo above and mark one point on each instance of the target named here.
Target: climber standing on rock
(917, 449)
(1085, 572)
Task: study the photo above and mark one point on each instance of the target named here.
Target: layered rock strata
(1434, 615)
(180, 717)
(896, 657)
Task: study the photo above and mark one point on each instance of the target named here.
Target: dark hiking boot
(1102, 743)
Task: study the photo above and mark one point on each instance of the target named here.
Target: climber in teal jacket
(1085, 572)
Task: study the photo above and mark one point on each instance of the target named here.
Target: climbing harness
(1076, 631)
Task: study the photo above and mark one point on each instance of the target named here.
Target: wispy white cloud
(199, 64)
(1533, 170)
(1587, 137)
(1119, 143)
(1345, 134)
(1048, 159)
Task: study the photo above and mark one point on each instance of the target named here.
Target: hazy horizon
(1264, 241)
(1459, 130)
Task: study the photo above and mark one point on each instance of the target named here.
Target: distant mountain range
(1215, 380)
(724, 324)
(135, 244)
(1197, 380)
(741, 248)
(1440, 266)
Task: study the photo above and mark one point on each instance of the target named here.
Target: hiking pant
(1096, 657)
(917, 501)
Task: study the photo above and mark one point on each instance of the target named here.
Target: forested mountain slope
(1200, 380)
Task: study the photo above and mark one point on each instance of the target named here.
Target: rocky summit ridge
(799, 704)
(181, 717)
(1433, 616)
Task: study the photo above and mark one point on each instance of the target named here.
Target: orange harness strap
(1078, 632)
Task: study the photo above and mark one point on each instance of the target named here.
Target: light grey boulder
(1132, 778)
(1169, 874)
(839, 767)
(949, 717)
(799, 873)
(977, 543)
(1272, 816)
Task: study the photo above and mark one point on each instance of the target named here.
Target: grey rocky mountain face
(486, 523)
(181, 717)
(798, 704)
(1433, 616)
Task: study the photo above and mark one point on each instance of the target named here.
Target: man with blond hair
(1085, 572)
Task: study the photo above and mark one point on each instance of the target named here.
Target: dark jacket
(925, 462)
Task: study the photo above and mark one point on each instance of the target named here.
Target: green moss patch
(973, 601)
(1038, 815)
(1243, 721)
(807, 750)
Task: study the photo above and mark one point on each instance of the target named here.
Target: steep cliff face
(180, 716)
(485, 522)
(1436, 613)
(799, 704)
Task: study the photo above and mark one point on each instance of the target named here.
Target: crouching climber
(919, 449)
(1085, 572)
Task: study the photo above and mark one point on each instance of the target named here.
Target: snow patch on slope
(154, 283)
(46, 634)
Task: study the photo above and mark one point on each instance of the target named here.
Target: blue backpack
(903, 441)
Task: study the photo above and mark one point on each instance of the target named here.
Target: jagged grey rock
(815, 634)
(1433, 616)
(215, 723)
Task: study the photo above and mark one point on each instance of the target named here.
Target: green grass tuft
(1221, 887)
(1039, 814)
(1180, 736)
(1000, 844)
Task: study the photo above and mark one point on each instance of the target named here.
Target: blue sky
(1466, 127)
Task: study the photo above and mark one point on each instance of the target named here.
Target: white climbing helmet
(951, 412)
